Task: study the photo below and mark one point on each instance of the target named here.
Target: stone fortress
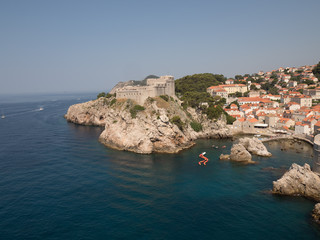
(163, 85)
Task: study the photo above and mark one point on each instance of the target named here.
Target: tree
(102, 94)
(253, 87)
(274, 91)
(238, 94)
(316, 70)
(238, 77)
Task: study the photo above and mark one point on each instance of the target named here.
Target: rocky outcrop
(146, 129)
(316, 213)
(255, 146)
(299, 181)
(240, 154)
(224, 157)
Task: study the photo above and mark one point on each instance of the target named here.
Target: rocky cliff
(299, 181)
(158, 126)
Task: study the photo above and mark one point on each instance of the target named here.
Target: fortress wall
(155, 87)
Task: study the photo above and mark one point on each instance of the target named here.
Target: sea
(57, 181)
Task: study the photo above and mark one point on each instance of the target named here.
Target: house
(292, 83)
(254, 94)
(301, 128)
(271, 120)
(229, 81)
(304, 101)
(313, 93)
(292, 106)
(238, 124)
(248, 125)
(285, 122)
(316, 128)
(217, 91)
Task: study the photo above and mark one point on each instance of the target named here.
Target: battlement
(163, 85)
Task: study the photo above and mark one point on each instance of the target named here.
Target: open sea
(58, 182)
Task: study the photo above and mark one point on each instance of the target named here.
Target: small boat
(41, 108)
(3, 116)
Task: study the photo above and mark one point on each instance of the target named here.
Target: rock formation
(240, 154)
(255, 146)
(299, 181)
(224, 157)
(158, 126)
(316, 213)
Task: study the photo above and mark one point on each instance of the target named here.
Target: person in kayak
(205, 160)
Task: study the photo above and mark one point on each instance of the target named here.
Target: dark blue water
(58, 182)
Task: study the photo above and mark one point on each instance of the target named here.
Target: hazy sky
(64, 45)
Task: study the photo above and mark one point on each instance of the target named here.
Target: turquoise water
(58, 182)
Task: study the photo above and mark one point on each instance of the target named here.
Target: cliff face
(161, 126)
(300, 181)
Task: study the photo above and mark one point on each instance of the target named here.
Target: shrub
(177, 121)
(113, 101)
(136, 108)
(102, 94)
(196, 126)
(165, 97)
(230, 119)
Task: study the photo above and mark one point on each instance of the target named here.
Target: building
(217, 91)
(304, 101)
(271, 120)
(313, 93)
(229, 88)
(301, 128)
(229, 81)
(155, 87)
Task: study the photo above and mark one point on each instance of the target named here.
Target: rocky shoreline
(300, 181)
(158, 126)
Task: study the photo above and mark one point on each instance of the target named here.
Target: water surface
(58, 182)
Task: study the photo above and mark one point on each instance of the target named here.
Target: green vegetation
(165, 97)
(316, 71)
(192, 89)
(177, 121)
(135, 109)
(113, 101)
(103, 94)
(196, 126)
(230, 119)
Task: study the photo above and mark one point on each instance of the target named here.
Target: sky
(49, 46)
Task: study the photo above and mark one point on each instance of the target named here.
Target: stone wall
(155, 87)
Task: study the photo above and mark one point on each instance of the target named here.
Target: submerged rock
(316, 213)
(299, 181)
(224, 157)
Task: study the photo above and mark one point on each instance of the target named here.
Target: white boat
(3, 116)
(41, 108)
